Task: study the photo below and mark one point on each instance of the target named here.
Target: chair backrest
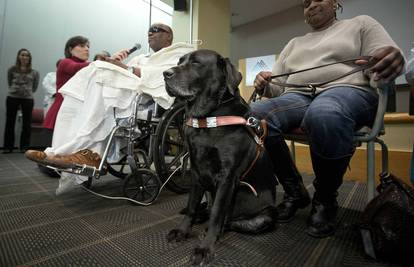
(384, 90)
(37, 116)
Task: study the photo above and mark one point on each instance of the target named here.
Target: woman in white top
(49, 86)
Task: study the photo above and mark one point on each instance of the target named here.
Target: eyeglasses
(155, 29)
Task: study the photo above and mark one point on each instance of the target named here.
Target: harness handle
(371, 62)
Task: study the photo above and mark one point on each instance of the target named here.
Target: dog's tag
(211, 122)
(194, 123)
(256, 138)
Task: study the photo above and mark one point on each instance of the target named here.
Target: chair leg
(384, 155)
(371, 169)
(292, 150)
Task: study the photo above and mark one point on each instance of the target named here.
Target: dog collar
(213, 122)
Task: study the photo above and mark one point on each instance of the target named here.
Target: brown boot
(82, 157)
(36, 156)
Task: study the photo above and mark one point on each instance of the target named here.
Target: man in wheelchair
(104, 91)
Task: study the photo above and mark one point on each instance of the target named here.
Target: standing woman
(76, 56)
(23, 82)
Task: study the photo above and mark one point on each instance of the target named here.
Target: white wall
(44, 26)
(269, 35)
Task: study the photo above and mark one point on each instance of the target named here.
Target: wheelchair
(155, 155)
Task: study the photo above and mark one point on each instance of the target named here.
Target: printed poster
(254, 65)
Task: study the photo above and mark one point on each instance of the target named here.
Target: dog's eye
(196, 63)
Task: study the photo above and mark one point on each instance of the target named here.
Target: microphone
(136, 47)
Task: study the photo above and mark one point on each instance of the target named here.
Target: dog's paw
(177, 235)
(201, 256)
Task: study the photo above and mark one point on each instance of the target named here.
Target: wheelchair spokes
(142, 185)
(171, 151)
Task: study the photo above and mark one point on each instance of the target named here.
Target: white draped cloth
(86, 116)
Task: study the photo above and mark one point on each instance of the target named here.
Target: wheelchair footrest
(83, 170)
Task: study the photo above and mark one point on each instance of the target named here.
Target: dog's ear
(233, 76)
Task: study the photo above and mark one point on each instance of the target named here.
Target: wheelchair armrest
(383, 89)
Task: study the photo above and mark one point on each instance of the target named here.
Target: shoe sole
(331, 233)
(59, 164)
(40, 161)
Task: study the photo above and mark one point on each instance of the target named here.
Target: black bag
(387, 224)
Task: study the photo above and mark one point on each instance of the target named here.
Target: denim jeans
(330, 118)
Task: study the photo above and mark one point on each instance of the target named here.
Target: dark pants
(12, 106)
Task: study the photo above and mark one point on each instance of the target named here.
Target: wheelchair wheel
(142, 185)
(170, 150)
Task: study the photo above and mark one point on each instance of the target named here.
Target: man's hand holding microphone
(121, 55)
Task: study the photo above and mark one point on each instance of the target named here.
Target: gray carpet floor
(38, 228)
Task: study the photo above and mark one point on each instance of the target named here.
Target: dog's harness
(256, 128)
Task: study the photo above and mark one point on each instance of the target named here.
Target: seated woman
(330, 114)
(87, 114)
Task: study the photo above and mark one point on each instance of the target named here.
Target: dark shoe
(259, 224)
(321, 222)
(36, 155)
(82, 157)
(287, 209)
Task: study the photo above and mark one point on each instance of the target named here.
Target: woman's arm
(9, 76)
(71, 67)
(262, 81)
(35, 80)
(377, 43)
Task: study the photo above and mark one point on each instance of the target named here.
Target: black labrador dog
(220, 156)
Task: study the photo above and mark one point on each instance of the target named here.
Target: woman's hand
(261, 81)
(389, 63)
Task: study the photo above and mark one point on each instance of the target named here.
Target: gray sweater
(22, 85)
(344, 39)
